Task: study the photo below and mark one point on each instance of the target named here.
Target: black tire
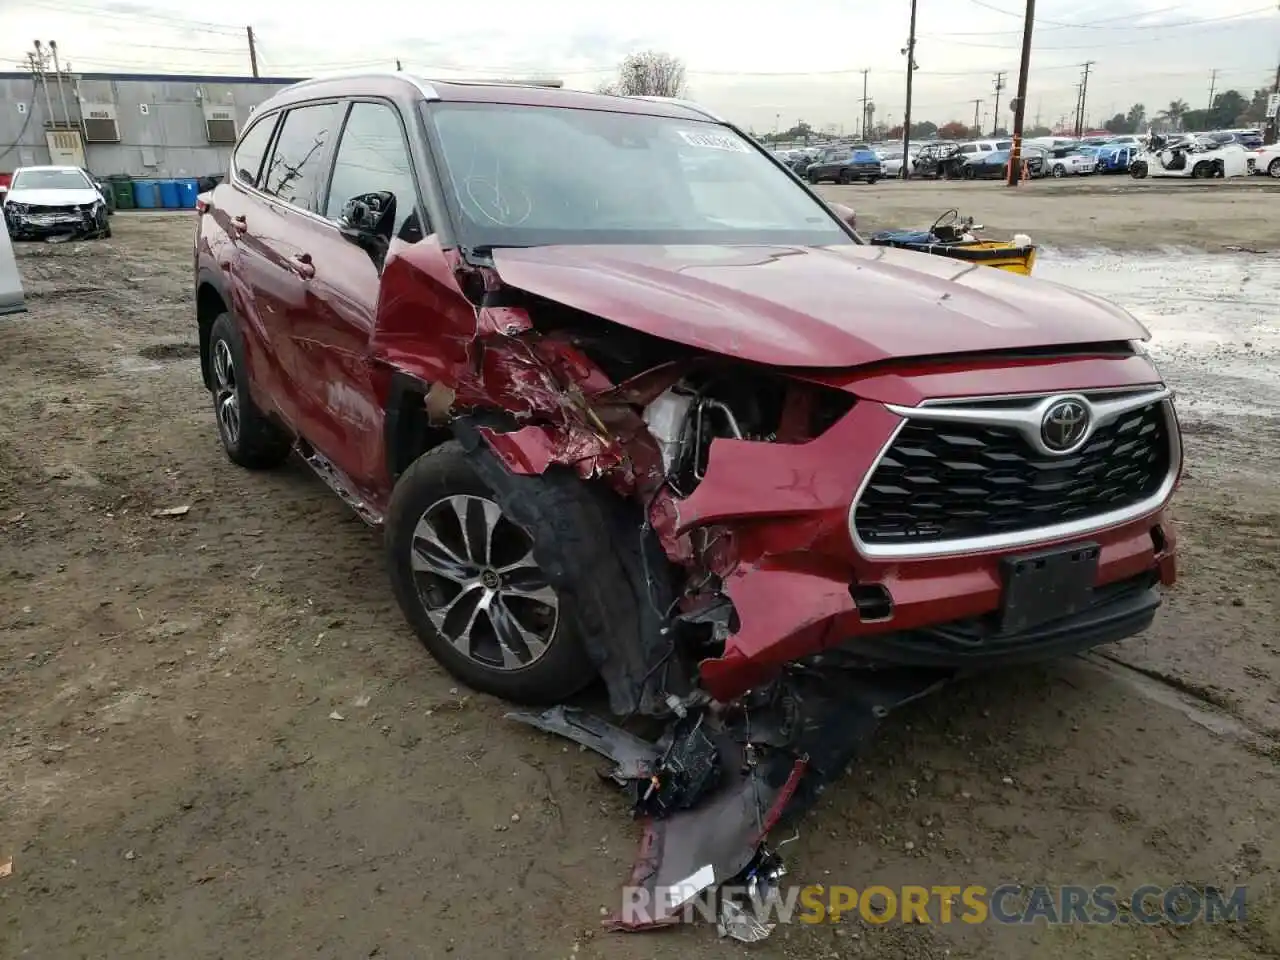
(813, 178)
(1138, 169)
(1059, 170)
(969, 173)
(871, 180)
(256, 443)
(1202, 170)
(564, 668)
(106, 232)
(1273, 168)
(842, 177)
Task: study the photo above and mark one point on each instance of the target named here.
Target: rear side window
(372, 157)
(252, 148)
(297, 164)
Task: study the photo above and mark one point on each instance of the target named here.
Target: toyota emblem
(1064, 426)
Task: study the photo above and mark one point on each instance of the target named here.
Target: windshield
(49, 180)
(532, 176)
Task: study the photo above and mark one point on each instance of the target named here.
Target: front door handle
(301, 264)
(239, 224)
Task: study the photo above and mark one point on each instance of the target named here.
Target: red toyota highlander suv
(631, 401)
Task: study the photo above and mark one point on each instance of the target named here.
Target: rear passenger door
(372, 158)
(284, 228)
(239, 213)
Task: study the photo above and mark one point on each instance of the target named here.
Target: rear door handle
(301, 264)
(239, 224)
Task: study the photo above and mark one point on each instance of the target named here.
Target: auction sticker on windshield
(713, 141)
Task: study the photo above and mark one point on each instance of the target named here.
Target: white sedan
(891, 164)
(53, 202)
(1071, 162)
(1267, 160)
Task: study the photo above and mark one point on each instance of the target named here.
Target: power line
(96, 12)
(1104, 23)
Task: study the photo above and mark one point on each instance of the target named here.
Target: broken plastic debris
(172, 511)
(756, 890)
(6, 867)
(336, 716)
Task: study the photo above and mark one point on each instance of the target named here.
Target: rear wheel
(1138, 169)
(871, 180)
(970, 173)
(1273, 168)
(1202, 170)
(843, 177)
(249, 438)
(467, 579)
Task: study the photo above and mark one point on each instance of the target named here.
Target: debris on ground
(6, 868)
(181, 511)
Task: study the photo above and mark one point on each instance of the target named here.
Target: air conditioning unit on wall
(220, 123)
(100, 122)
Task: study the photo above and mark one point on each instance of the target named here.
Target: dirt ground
(219, 739)
(1213, 215)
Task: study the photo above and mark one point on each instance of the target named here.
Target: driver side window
(372, 157)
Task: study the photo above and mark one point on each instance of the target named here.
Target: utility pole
(1084, 95)
(862, 130)
(1020, 101)
(1273, 122)
(977, 104)
(253, 51)
(1075, 120)
(1213, 82)
(398, 65)
(910, 51)
(999, 85)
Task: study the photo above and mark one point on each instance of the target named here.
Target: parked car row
(1043, 157)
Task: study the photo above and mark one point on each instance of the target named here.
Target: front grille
(64, 208)
(947, 481)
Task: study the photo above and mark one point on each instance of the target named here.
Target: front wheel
(1138, 169)
(1059, 170)
(871, 180)
(249, 438)
(1273, 168)
(468, 581)
(813, 179)
(843, 177)
(1202, 170)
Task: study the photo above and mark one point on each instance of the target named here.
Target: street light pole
(910, 51)
(1020, 102)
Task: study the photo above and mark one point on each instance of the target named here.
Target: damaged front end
(723, 488)
(653, 426)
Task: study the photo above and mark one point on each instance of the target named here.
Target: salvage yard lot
(219, 739)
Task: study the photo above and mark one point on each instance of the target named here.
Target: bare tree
(648, 74)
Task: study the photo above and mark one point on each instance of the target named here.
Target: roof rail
(553, 83)
(426, 89)
(681, 102)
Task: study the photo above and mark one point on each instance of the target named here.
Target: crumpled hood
(814, 306)
(52, 198)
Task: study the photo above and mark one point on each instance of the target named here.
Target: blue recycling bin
(170, 199)
(146, 194)
(188, 190)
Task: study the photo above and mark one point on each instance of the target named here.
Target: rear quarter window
(247, 160)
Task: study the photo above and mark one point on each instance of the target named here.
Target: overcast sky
(760, 63)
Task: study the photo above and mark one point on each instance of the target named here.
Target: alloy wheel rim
(479, 584)
(226, 397)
